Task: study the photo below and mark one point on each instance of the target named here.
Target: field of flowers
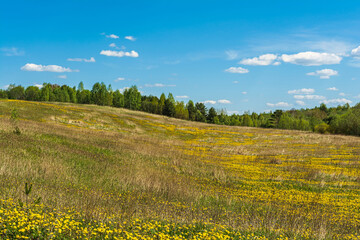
(106, 173)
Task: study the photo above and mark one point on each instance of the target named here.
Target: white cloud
(279, 104)
(224, 101)
(81, 59)
(111, 53)
(324, 73)
(332, 89)
(244, 93)
(112, 36)
(62, 76)
(358, 96)
(119, 79)
(131, 38)
(45, 68)
(309, 97)
(123, 89)
(301, 103)
(209, 102)
(263, 60)
(182, 97)
(38, 85)
(235, 82)
(231, 54)
(342, 94)
(13, 51)
(237, 70)
(337, 101)
(159, 85)
(6, 86)
(302, 91)
(311, 58)
(233, 112)
(356, 52)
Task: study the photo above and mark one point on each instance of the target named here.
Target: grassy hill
(105, 172)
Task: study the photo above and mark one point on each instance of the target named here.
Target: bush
(322, 128)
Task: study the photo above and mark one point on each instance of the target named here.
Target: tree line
(338, 120)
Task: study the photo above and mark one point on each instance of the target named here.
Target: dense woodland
(338, 120)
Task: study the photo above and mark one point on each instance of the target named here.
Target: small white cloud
(342, 94)
(311, 58)
(62, 76)
(233, 112)
(38, 85)
(224, 101)
(131, 38)
(309, 97)
(337, 101)
(237, 70)
(182, 97)
(119, 79)
(45, 68)
(244, 93)
(324, 73)
(356, 52)
(209, 102)
(301, 103)
(81, 59)
(332, 89)
(123, 89)
(111, 53)
(6, 86)
(13, 51)
(231, 54)
(358, 96)
(235, 82)
(279, 104)
(112, 36)
(112, 45)
(263, 60)
(302, 91)
(159, 85)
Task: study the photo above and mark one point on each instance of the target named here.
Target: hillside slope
(118, 173)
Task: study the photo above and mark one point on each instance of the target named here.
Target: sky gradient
(234, 55)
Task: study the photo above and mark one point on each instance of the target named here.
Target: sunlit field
(110, 173)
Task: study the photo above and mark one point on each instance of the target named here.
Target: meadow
(111, 173)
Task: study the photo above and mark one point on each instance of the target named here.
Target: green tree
(32, 93)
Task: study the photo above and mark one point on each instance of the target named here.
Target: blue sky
(234, 55)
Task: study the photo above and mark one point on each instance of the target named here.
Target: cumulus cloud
(231, 54)
(62, 76)
(46, 68)
(111, 53)
(209, 102)
(279, 104)
(324, 73)
(81, 59)
(131, 38)
(237, 70)
(112, 36)
(309, 97)
(263, 60)
(332, 89)
(182, 97)
(159, 85)
(302, 91)
(224, 101)
(337, 101)
(13, 51)
(301, 103)
(311, 58)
